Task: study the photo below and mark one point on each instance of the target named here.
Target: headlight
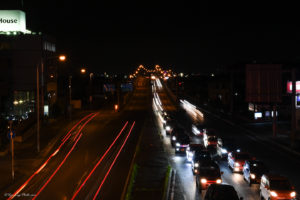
(174, 138)
(203, 180)
(196, 164)
(236, 164)
(177, 144)
(219, 181)
(252, 176)
(168, 128)
(223, 150)
(293, 194)
(273, 194)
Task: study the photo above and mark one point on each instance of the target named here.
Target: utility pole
(12, 149)
(42, 89)
(70, 97)
(231, 92)
(274, 120)
(38, 106)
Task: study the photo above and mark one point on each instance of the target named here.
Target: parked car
(273, 186)
(221, 192)
(253, 170)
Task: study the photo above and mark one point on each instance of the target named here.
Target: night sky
(117, 37)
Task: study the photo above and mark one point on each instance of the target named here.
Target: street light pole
(12, 149)
(293, 118)
(62, 58)
(90, 90)
(70, 97)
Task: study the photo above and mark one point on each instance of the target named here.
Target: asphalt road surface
(92, 161)
(275, 159)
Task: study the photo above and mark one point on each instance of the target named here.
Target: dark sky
(186, 37)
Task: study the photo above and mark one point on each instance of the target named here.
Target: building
(21, 51)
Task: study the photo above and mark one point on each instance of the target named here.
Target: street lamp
(83, 71)
(61, 58)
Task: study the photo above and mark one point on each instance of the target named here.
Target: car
(207, 175)
(176, 132)
(191, 150)
(198, 130)
(164, 117)
(209, 132)
(223, 147)
(182, 143)
(213, 151)
(200, 158)
(236, 160)
(253, 170)
(221, 192)
(210, 140)
(274, 186)
(169, 125)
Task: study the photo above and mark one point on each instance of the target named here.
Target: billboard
(263, 83)
(289, 87)
(126, 87)
(12, 20)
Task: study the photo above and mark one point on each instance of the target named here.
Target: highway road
(92, 160)
(275, 159)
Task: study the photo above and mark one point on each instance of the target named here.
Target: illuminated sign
(298, 101)
(289, 87)
(12, 20)
(257, 115)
